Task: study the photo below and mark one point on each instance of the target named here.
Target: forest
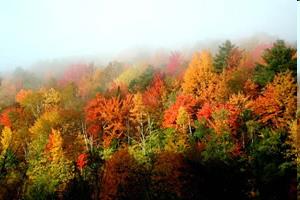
(215, 125)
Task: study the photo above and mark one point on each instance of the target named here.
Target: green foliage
(279, 58)
(175, 141)
(145, 150)
(51, 172)
(201, 131)
(263, 75)
(272, 170)
(143, 81)
(41, 190)
(8, 162)
(218, 148)
(221, 59)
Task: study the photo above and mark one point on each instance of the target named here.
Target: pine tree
(221, 59)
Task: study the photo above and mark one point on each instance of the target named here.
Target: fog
(34, 31)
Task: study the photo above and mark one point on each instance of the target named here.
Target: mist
(98, 31)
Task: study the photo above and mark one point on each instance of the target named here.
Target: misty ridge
(216, 119)
(45, 69)
(149, 100)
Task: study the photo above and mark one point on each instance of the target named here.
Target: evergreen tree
(221, 59)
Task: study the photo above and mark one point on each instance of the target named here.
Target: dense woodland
(213, 126)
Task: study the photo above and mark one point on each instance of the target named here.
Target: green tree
(221, 59)
(279, 58)
(50, 174)
(273, 171)
(141, 82)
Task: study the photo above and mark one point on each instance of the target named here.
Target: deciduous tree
(277, 104)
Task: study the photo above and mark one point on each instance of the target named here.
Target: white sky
(32, 30)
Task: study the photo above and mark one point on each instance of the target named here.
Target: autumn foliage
(187, 102)
(108, 118)
(277, 104)
(225, 127)
(82, 161)
(220, 117)
(123, 178)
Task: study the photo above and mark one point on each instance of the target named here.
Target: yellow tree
(51, 99)
(294, 141)
(182, 119)
(200, 65)
(199, 79)
(138, 115)
(277, 104)
(11, 140)
(6, 139)
(129, 74)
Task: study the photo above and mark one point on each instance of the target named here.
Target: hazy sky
(32, 30)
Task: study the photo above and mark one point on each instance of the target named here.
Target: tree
(82, 161)
(68, 97)
(172, 115)
(117, 90)
(52, 166)
(130, 74)
(22, 94)
(222, 57)
(51, 99)
(123, 178)
(108, 118)
(110, 73)
(153, 97)
(13, 117)
(279, 58)
(5, 119)
(239, 70)
(182, 119)
(251, 89)
(274, 172)
(174, 63)
(33, 103)
(223, 118)
(277, 104)
(234, 58)
(6, 140)
(139, 116)
(39, 134)
(199, 79)
(141, 82)
(169, 176)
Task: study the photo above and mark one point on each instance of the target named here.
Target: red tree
(109, 118)
(122, 178)
(188, 102)
(174, 63)
(11, 116)
(152, 97)
(220, 115)
(82, 161)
